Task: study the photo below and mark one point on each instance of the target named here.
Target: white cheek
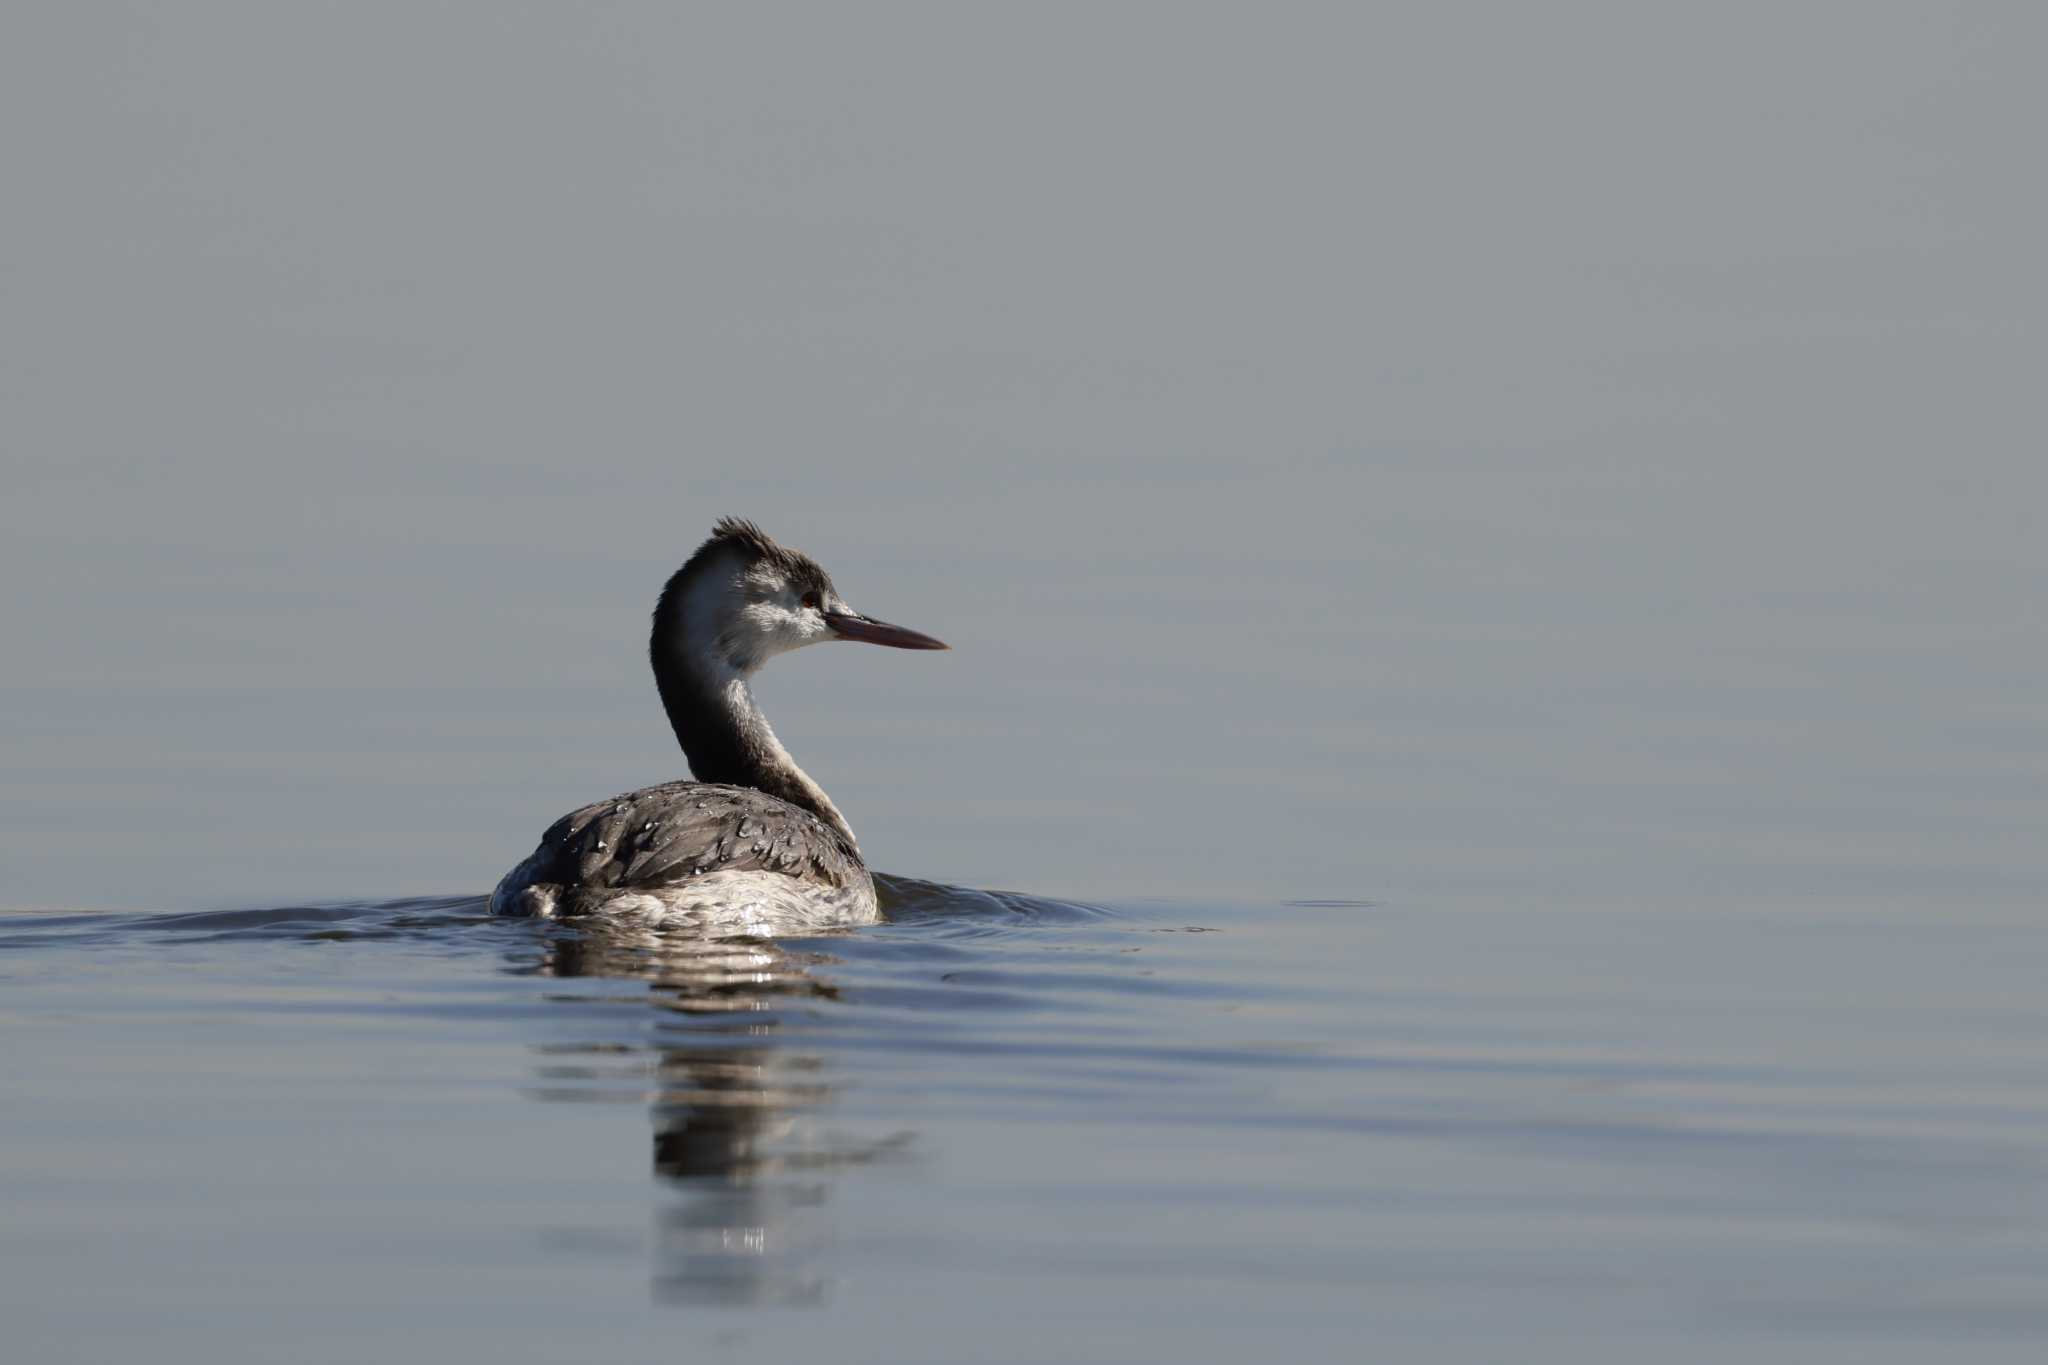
(808, 628)
(780, 629)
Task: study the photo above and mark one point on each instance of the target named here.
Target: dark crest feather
(760, 547)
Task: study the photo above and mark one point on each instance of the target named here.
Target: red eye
(811, 600)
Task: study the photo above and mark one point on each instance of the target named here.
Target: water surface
(1009, 1128)
(1494, 562)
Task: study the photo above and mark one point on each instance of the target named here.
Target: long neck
(722, 731)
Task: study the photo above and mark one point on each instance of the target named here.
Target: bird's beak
(849, 625)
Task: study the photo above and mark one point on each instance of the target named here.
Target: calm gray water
(1521, 522)
(1018, 1129)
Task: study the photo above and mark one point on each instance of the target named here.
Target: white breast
(762, 904)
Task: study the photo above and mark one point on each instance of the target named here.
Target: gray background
(1421, 453)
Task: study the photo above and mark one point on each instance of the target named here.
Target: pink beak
(851, 626)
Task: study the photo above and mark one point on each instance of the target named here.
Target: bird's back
(725, 856)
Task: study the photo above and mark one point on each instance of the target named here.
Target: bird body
(755, 845)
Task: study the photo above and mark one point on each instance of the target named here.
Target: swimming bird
(753, 845)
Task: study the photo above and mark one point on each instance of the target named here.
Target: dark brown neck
(723, 733)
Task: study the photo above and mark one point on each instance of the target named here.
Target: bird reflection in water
(746, 1168)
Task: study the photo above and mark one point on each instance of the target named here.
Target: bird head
(742, 599)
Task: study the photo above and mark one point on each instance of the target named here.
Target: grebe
(754, 845)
